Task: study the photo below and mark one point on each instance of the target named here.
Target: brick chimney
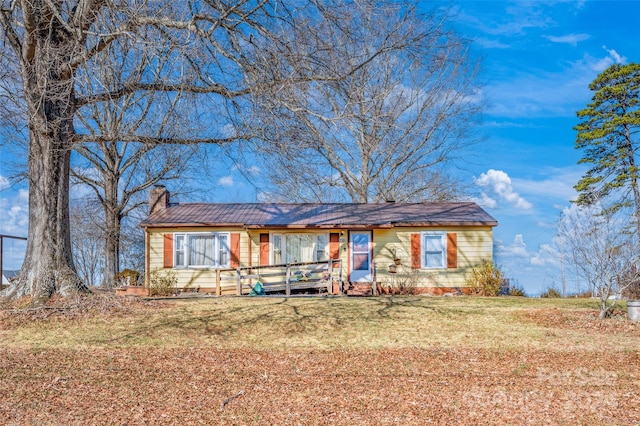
(158, 199)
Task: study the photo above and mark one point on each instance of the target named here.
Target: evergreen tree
(607, 134)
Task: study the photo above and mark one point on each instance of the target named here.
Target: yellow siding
(474, 245)
(192, 277)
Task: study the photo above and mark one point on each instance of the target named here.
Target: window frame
(185, 251)
(423, 249)
(283, 245)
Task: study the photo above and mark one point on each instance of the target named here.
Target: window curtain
(321, 249)
(223, 248)
(299, 248)
(277, 250)
(179, 246)
(201, 250)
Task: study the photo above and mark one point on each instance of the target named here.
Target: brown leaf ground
(198, 384)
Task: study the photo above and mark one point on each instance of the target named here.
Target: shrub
(486, 279)
(551, 293)
(162, 283)
(405, 281)
(127, 277)
(517, 290)
(587, 294)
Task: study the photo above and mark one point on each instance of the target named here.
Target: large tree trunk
(111, 232)
(49, 93)
(48, 266)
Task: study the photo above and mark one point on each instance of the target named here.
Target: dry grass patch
(326, 324)
(319, 361)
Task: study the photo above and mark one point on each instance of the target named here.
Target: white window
(201, 250)
(322, 243)
(295, 248)
(277, 249)
(178, 243)
(434, 249)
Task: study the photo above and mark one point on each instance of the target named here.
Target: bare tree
(86, 239)
(601, 244)
(390, 129)
(119, 171)
(209, 48)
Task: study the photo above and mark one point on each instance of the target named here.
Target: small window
(223, 250)
(434, 250)
(321, 248)
(179, 259)
(201, 250)
(277, 249)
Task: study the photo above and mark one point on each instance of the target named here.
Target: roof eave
(322, 226)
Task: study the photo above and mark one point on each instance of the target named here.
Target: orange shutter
(235, 250)
(415, 251)
(264, 249)
(334, 247)
(452, 250)
(168, 251)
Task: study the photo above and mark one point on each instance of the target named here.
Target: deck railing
(283, 277)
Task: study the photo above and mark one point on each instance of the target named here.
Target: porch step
(360, 289)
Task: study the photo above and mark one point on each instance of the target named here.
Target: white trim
(216, 249)
(283, 248)
(361, 275)
(423, 249)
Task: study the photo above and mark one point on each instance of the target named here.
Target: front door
(360, 261)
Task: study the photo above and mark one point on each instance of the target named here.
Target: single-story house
(429, 246)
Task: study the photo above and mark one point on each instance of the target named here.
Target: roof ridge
(323, 215)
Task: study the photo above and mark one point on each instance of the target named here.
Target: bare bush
(603, 250)
(162, 282)
(485, 279)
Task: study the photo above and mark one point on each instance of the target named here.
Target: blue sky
(538, 60)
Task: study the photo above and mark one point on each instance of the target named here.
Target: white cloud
(491, 43)
(572, 39)
(228, 131)
(226, 181)
(496, 183)
(14, 210)
(558, 183)
(537, 92)
(253, 170)
(516, 249)
(4, 183)
(613, 57)
(516, 20)
(487, 202)
(546, 256)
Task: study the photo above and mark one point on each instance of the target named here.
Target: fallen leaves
(205, 386)
(15, 313)
(190, 382)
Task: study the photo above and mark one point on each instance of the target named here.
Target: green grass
(333, 323)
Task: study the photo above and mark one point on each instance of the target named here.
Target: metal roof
(320, 215)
